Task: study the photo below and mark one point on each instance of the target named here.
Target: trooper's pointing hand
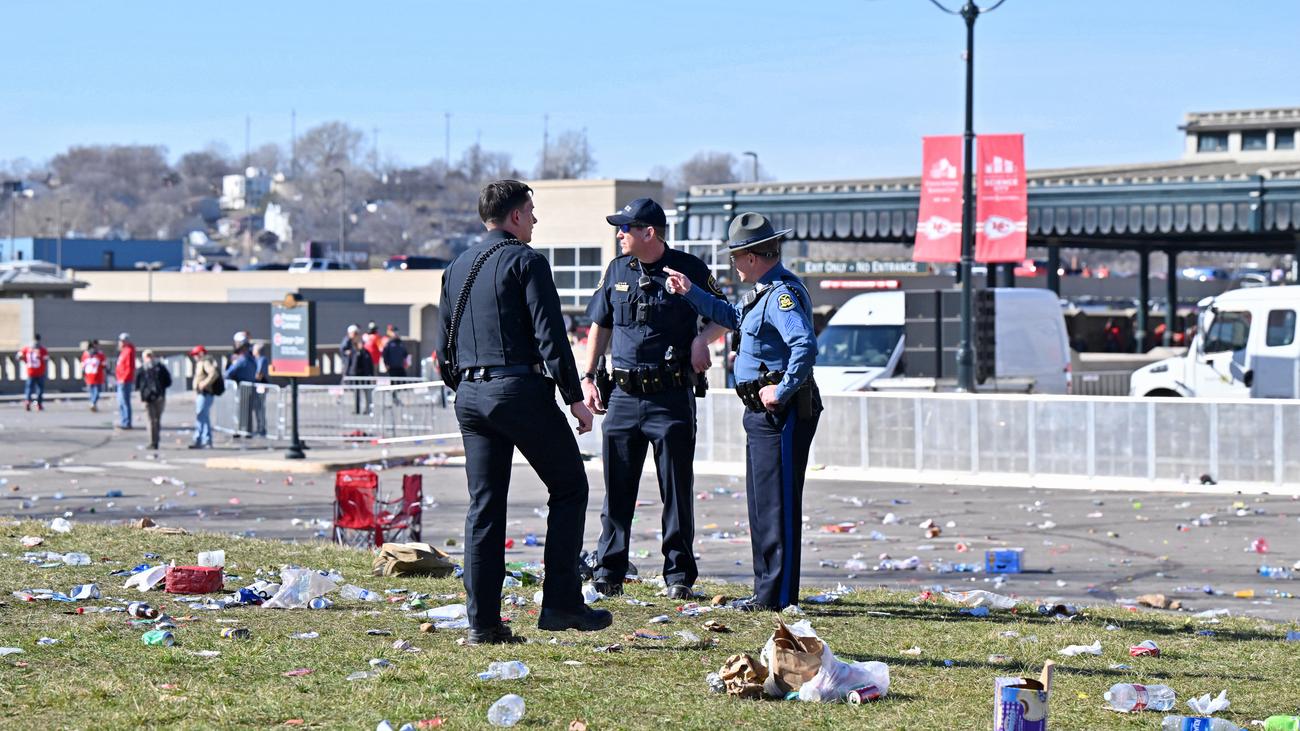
(677, 282)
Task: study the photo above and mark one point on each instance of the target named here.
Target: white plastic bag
(980, 597)
(298, 587)
(836, 678)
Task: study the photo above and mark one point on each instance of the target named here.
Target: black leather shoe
(583, 619)
(679, 592)
(498, 635)
(608, 588)
(751, 604)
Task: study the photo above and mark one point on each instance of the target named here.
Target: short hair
(769, 250)
(147, 353)
(499, 198)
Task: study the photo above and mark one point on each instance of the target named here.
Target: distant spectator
(35, 358)
(359, 366)
(260, 380)
(1113, 337)
(242, 369)
(371, 342)
(124, 372)
(152, 381)
(208, 385)
(394, 355)
(93, 370)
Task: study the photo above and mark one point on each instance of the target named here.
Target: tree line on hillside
(133, 191)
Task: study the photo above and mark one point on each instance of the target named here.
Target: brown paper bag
(793, 660)
(412, 559)
(743, 676)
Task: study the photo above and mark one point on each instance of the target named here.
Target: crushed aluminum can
(865, 694)
(1145, 648)
(158, 638)
(236, 633)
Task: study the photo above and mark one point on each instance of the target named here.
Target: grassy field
(100, 675)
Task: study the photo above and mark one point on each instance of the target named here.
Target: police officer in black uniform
(501, 334)
(774, 380)
(655, 371)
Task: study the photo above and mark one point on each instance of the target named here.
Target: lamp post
(343, 212)
(755, 164)
(150, 267)
(13, 188)
(965, 349)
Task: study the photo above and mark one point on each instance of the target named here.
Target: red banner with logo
(938, 223)
(1001, 202)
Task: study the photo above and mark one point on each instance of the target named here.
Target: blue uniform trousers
(496, 416)
(633, 423)
(776, 457)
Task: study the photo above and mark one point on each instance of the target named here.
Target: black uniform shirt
(512, 316)
(646, 320)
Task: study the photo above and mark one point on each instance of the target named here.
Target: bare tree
(708, 168)
(569, 158)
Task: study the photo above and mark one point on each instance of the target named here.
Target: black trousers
(776, 458)
(666, 421)
(495, 417)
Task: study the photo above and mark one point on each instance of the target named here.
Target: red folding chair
(403, 523)
(356, 497)
(360, 519)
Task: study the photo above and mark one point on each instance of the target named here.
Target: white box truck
(1245, 347)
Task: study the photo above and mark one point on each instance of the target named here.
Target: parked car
(402, 262)
(304, 264)
(270, 266)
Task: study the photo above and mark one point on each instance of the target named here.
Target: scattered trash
(1199, 723)
(1145, 648)
(506, 711)
(61, 525)
(236, 633)
(1204, 705)
(298, 672)
(158, 637)
(1072, 650)
(508, 670)
(1130, 697)
(1020, 704)
(980, 597)
(1159, 601)
(1259, 545)
(32, 541)
(304, 635)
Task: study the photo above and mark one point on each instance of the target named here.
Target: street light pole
(58, 252)
(965, 349)
(755, 166)
(343, 213)
(150, 267)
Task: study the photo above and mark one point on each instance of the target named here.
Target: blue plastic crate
(1004, 561)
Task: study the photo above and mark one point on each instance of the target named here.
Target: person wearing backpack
(208, 385)
(152, 381)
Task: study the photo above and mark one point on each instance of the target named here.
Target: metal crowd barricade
(416, 411)
(226, 408)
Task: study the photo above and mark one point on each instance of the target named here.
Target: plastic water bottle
(1197, 723)
(510, 670)
(76, 559)
(352, 591)
(1275, 572)
(1282, 723)
(507, 711)
(1132, 697)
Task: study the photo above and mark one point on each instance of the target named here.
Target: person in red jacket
(34, 358)
(371, 342)
(93, 371)
(124, 372)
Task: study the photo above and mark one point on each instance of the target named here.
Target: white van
(863, 341)
(1245, 346)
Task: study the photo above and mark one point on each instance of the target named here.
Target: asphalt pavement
(1080, 546)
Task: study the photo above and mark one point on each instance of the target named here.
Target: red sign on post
(938, 224)
(1002, 206)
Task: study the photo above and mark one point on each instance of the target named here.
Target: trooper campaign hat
(752, 229)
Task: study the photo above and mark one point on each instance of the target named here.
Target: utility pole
(343, 212)
(755, 166)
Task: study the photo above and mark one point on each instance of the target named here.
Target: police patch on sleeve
(601, 283)
(713, 285)
(785, 302)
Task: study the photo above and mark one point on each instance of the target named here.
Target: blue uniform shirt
(242, 369)
(776, 332)
(668, 321)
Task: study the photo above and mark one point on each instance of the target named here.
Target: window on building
(1281, 328)
(1212, 142)
(576, 269)
(1254, 139)
(1284, 139)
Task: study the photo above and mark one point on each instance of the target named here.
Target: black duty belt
(653, 379)
(487, 373)
(805, 398)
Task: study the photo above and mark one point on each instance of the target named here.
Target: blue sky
(820, 89)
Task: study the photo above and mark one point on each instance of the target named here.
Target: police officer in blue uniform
(774, 374)
(501, 334)
(656, 367)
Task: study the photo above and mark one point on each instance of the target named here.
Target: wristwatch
(589, 376)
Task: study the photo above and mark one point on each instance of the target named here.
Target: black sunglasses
(629, 226)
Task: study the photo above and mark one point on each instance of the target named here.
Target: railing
(1101, 383)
